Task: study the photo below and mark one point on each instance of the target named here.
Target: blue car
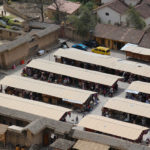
(80, 46)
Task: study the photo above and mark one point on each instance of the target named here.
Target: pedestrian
(77, 119)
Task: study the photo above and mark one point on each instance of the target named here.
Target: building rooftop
(65, 6)
(143, 9)
(32, 107)
(116, 5)
(62, 144)
(118, 33)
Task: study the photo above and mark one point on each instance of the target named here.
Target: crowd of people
(60, 79)
(142, 97)
(128, 77)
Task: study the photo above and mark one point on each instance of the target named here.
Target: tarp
(74, 72)
(128, 106)
(50, 89)
(112, 127)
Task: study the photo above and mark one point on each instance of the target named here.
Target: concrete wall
(112, 17)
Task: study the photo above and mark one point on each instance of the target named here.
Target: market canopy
(32, 107)
(137, 50)
(74, 72)
(128, 106)
(85, 145)
(112, 127)
(138, 86)
(69, 94)
(105, 61)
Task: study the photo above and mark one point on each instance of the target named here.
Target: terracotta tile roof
(145, 42)
(65, 6)
(116, 33)
(116, 5)
(143, 9)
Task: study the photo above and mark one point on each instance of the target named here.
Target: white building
(114, 12)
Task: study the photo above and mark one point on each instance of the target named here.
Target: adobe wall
(23, 51)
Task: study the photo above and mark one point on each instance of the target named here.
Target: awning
(72, 101)
(131, 91)
(88, 145)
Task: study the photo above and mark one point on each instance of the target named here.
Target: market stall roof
(128, 106)
(138, 86)
(69, 94)
(106, 61)
(84, 145)
(32, 107)
(137, 50)
(74, 72)
(112, 127)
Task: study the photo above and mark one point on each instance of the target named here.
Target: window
(107, 14)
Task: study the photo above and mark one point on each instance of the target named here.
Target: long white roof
(128, 106)
(140, 86)
(74, 72)
(73, 94)
(106, 61)
(112, 127)
(32, 107)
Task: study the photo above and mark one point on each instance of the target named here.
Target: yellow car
(101, 50)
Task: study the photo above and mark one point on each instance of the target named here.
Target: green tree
(135, 19)
(84, 23)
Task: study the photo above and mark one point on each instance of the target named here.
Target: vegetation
(85, 22)
(135, 19)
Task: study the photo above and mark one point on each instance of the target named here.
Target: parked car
(101, 50)
(91, 43)
(80, 46)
